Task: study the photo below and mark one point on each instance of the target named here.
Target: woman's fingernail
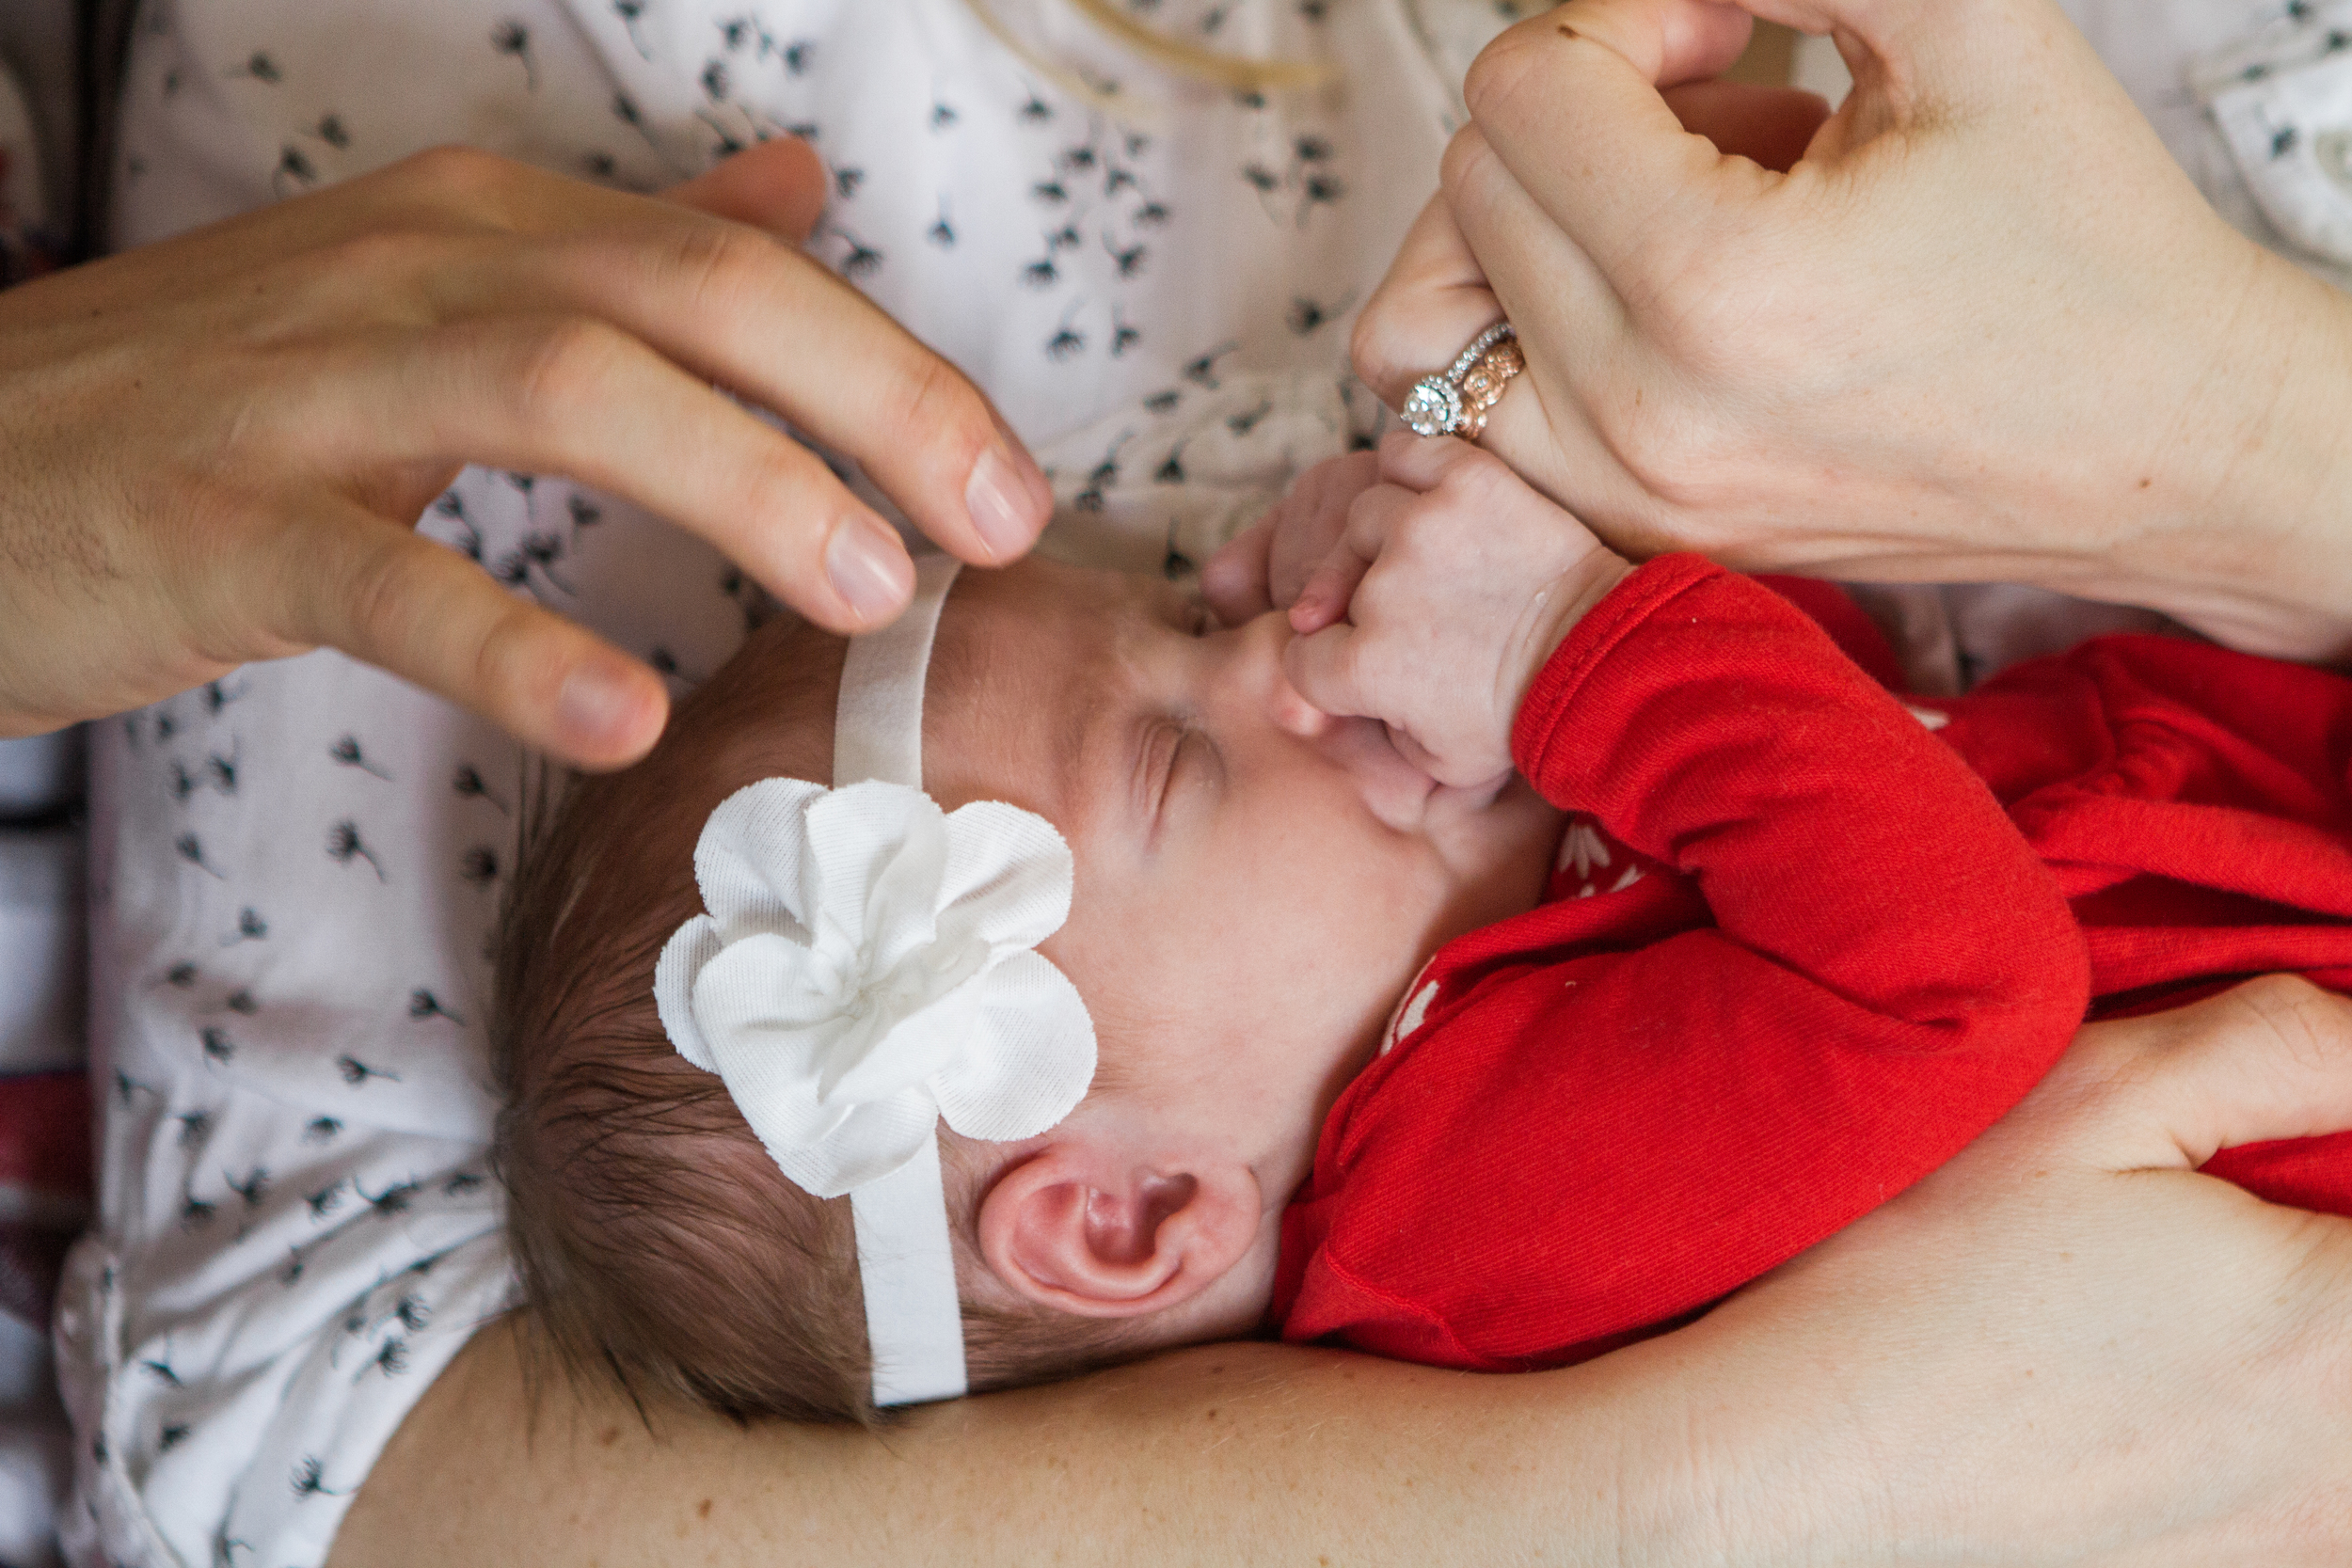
(595, 703)
(1002, 510)
(869, 569)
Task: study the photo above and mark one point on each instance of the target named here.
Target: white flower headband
(867, 966)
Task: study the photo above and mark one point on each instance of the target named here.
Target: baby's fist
(1450, 585)
(1265, 564)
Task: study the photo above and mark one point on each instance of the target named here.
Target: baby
(1633, 940)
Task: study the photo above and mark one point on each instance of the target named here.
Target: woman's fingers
(2271, 1058)
(1436, 292)
(388, 595)
(1571, 98)
(1771, 126)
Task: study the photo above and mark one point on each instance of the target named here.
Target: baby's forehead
(1024, 663)
(1040, 617)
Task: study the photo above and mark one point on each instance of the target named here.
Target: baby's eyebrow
(1098, 735)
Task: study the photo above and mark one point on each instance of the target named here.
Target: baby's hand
(1450, 585)
(1265, 567)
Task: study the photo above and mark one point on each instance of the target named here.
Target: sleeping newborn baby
(1632, 941)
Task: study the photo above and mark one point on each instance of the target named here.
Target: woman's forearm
(2248, 534)
(1239, 1452)
(2063, 1349)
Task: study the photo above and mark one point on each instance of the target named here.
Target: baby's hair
(657, 1242)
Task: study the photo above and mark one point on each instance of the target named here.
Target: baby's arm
(1620, 1111)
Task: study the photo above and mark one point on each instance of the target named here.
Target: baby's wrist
(1554, 613)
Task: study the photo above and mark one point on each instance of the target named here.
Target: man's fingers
(778, 185)
(386, 595)
(573, 396)
(731, 304)
(2268, 1059)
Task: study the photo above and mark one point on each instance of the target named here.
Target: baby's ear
(1078, 1228)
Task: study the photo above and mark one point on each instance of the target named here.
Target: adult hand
(213, 450)
(2067, 1347)
(1443, 595)
(1984, 329)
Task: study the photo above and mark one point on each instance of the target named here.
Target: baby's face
(1257, 881)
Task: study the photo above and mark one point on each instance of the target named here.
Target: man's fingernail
(868, 569)
(595, 703)
(1002, 510)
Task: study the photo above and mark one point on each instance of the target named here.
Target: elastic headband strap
(905, 1262)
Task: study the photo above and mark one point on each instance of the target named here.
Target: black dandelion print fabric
(1152, 278)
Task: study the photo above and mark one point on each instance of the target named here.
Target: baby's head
(1256, 882)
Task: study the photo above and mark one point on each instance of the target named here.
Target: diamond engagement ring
(1455, 402)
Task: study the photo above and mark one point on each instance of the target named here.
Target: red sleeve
(1586, 1137)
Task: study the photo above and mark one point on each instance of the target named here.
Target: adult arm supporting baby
(1619, 1108)
(2023, 1359)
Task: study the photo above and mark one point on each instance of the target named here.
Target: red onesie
(1805, 943)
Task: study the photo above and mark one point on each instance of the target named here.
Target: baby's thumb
(1328, 670)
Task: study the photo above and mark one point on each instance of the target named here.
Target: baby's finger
(1233, 580)
(1330, 587)
(1421, 463)
(577, 397)
(1312, 519)
(386, 595)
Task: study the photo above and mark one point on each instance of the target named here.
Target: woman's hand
(2066, 1347)
(1983, 329)
(213, 450)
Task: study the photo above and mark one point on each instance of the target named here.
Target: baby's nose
(1265, 640)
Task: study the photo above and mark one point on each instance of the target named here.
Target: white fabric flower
(867, 966)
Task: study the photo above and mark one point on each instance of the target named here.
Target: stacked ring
(1456, 401)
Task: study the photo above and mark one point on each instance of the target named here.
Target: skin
(1441, 584)
(1292, 871)
(1983, 330)
(214, 449)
